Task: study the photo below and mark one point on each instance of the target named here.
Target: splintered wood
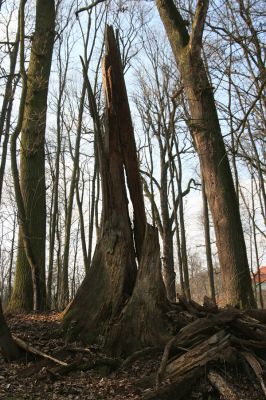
(214, 338)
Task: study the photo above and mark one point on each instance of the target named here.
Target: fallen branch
(138, 354)
(23, 345)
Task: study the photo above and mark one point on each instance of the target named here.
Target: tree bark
(7, 106)
(8, 347)
(208, 141)
(167, 235)
(117, 93)
(32, 167)
(111, 277)
(208, 243)
(96, 310)
(64, 290)
(142, 322)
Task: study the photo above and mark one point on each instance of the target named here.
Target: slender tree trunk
(11, 259)
(207, 137)
(183, 242)
(92, 208)
(208, 243)
(6, 111)
(54, 221)
(58, 263)
(82, 225)
(64, 291)
(255, 243)
(73, 281)
(167, 237)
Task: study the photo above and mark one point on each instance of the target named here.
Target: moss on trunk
(32, 161)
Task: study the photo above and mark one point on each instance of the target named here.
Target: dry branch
(28, 348)
(88, 8)
(218, 336)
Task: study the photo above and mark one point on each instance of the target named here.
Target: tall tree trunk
(82, 224)
(167, 235)
(208, 243)
(183, 240)
(7, 107)
(11, 258)
(260, 302)
(54, 218)
(209, 144)
(111, 278)
(64, 291)
(32, 164)
(92, 208)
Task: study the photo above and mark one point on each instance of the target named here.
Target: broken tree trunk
(116, 95)
(111, 277)
(143, 320)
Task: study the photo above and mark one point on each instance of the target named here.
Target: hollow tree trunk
(207, 137)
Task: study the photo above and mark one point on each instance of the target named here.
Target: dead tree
(111, 277)
(110, 280)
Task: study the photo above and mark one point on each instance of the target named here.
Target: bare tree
(210, 147)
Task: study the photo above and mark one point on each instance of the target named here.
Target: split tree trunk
(110, 280)
(109, 283)
(207, 137)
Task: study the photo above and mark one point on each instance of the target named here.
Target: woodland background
(234, 55)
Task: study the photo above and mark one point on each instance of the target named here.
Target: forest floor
(90, 380)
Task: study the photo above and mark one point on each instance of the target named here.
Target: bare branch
(198, 26)
(94, 4)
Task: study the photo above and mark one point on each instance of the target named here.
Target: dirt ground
(88, 377)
